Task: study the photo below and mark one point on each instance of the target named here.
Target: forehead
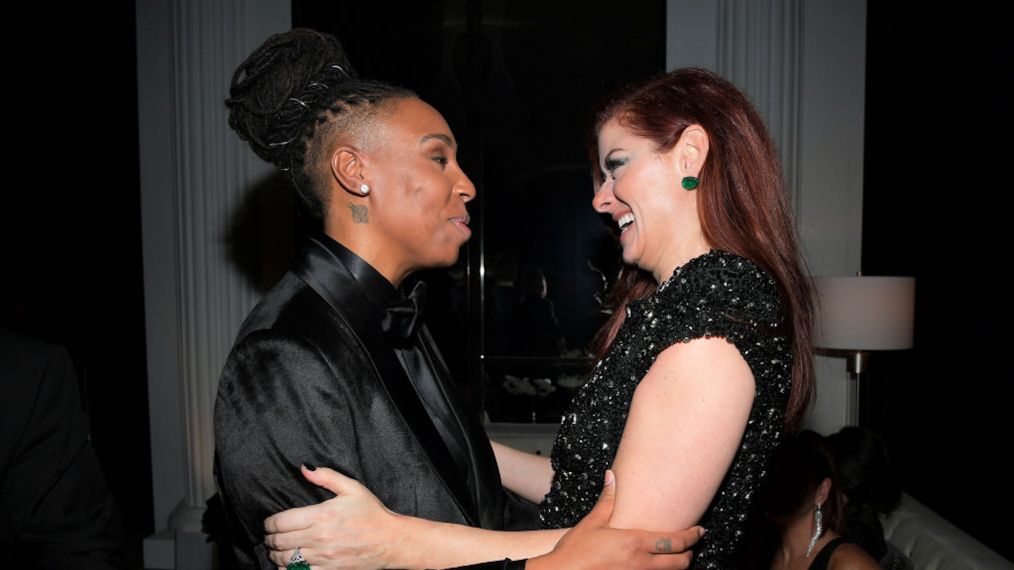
(412, 119)
(614, 134)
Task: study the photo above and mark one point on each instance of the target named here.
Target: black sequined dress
(717, 294)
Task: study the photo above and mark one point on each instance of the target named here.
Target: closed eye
(611, 164)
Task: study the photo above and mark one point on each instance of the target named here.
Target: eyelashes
(611, 164)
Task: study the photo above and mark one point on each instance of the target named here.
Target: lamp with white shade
(860, 314)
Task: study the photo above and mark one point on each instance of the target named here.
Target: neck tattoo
(359, 214)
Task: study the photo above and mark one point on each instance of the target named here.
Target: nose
(603, 197)
(465, 188)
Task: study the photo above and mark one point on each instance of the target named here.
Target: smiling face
(659, 225)
(416, 205)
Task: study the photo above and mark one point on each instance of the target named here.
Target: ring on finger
(297, 562)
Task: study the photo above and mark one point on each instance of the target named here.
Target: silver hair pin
(281, 143)
(341, 69)
(298, 101)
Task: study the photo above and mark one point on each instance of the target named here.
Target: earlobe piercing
(364, 188)
(690, 183)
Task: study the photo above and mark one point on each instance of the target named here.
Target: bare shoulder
(851, 557)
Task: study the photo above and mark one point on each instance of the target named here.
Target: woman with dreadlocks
(333, 366)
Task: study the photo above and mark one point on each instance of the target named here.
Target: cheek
(428, 194)
(660, 180)
(425, 216)
(657, 193)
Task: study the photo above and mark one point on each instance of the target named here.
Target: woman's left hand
(352, 531)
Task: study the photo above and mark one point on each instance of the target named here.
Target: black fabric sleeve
(280, 404)
(738, 311)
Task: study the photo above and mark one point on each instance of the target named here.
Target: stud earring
(689, 183)
(364, 188)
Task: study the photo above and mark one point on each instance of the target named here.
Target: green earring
(690, 183)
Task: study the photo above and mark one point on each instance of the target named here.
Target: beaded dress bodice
(717, 294)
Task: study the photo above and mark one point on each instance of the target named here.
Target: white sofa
(932, 543)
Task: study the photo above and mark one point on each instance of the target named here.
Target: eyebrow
(439, 136)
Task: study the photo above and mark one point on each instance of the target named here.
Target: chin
(630, 258)
(448, 260)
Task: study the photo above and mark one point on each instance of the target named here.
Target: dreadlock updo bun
(288, 87)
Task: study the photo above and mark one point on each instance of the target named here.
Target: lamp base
(857, 362)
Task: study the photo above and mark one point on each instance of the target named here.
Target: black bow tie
(403, 316)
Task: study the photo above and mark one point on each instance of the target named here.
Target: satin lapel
(328, 277)
(483, 465)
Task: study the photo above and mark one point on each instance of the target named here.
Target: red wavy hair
(742, 200)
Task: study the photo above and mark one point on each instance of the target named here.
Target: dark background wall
(70, 228)
(938, 102)
(937, 129)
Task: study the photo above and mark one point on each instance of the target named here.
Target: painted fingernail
(610, 478)
(310, 467)
(704, 531)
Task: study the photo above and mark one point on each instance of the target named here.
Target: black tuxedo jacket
(312, 379)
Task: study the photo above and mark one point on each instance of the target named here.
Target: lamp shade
(865, 313)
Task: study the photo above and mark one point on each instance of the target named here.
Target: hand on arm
(593, 545)
(355, 531)
(685, 424)
(278, 405)
(526, 474)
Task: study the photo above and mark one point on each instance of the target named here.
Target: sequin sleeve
(729, 297)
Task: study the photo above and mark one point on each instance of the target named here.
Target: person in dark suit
(55, 509)
(333, 366)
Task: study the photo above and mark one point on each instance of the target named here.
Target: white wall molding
(195, 174)
(758, 45)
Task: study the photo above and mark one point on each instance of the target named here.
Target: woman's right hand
(593, 545)
(352, 531)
